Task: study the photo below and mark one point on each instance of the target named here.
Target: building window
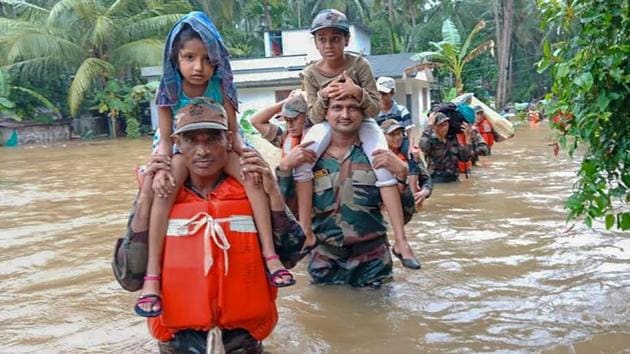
(282, 94)
(275, 41)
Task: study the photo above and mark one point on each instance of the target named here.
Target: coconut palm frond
(166, 8)
(144, 52)
(480, 49)
(9, 26)
(27, 11)
(101, 31)
(450, 33)
(30, 45)
(124, 7)
(37, 67)
(91, 71)
(152, 26)
(60, 12)
(38, 96)
(470, 37)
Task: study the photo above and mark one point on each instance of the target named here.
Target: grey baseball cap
(330, 18)
(293, 107)
(385, 84)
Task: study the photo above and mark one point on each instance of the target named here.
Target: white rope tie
(213, 233)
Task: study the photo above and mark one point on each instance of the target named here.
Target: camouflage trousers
(236, 341)
(358, 265)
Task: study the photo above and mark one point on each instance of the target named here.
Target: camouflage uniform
(424, 178)
(348, 224)
(275, 135)
(479, 146)
(443, 157)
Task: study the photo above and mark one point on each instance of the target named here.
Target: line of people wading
(213, 233)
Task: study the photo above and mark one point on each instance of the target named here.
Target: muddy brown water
(501, 272)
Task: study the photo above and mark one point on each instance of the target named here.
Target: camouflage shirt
(348, 223)
(275, 135)
(443, 157)
(479, 146)
(346, 201)
(424, 178)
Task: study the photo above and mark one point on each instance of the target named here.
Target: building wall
(300, 41)
(37, 134)
(258, 98)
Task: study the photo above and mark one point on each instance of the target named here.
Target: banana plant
(451, 54)
(7, 105)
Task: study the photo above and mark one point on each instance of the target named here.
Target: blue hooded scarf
(171, 82)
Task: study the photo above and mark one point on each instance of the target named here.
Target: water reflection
(501, 272)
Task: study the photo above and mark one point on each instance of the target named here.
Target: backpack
(456, 118)
(129, 261)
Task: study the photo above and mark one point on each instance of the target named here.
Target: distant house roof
(285, 71)
(392, 65)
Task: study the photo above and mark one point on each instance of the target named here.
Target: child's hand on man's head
(344, 87)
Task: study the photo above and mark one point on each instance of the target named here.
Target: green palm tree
(451, 54)
(92, 40)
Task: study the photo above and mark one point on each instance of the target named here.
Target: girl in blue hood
(196, 63)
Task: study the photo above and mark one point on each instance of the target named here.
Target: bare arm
(233, 126)
(260, 120)
(165, 123)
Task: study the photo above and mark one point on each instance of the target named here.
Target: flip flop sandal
(152, 299)
(277, 277)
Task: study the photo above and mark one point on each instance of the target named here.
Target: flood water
(502, 272)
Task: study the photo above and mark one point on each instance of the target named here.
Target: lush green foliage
(591, 72)
(452, 54)
(123, 101)
(92, 40)
(42, 48)
(8, 94)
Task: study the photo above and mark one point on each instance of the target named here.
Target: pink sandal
(277, 277)
(152, 299)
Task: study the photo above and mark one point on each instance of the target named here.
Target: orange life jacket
(401, 156)
(463, 167)
(212, 269)
(485, 130)
(289, 143)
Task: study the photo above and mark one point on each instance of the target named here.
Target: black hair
(185, 35)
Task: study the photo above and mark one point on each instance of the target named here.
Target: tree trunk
(510, 80)
(267, 12)
(390, 8)
(503, 17)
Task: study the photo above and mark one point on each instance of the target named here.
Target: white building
(263, 81)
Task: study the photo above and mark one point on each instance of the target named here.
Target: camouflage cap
(478, 109)
(440, 118)
(200, 113)
(385, 84)
(294, 106)
(390, 125)
(330, 18)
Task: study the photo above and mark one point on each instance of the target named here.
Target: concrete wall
(300, 41)
(257, 98)
(31, 133)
